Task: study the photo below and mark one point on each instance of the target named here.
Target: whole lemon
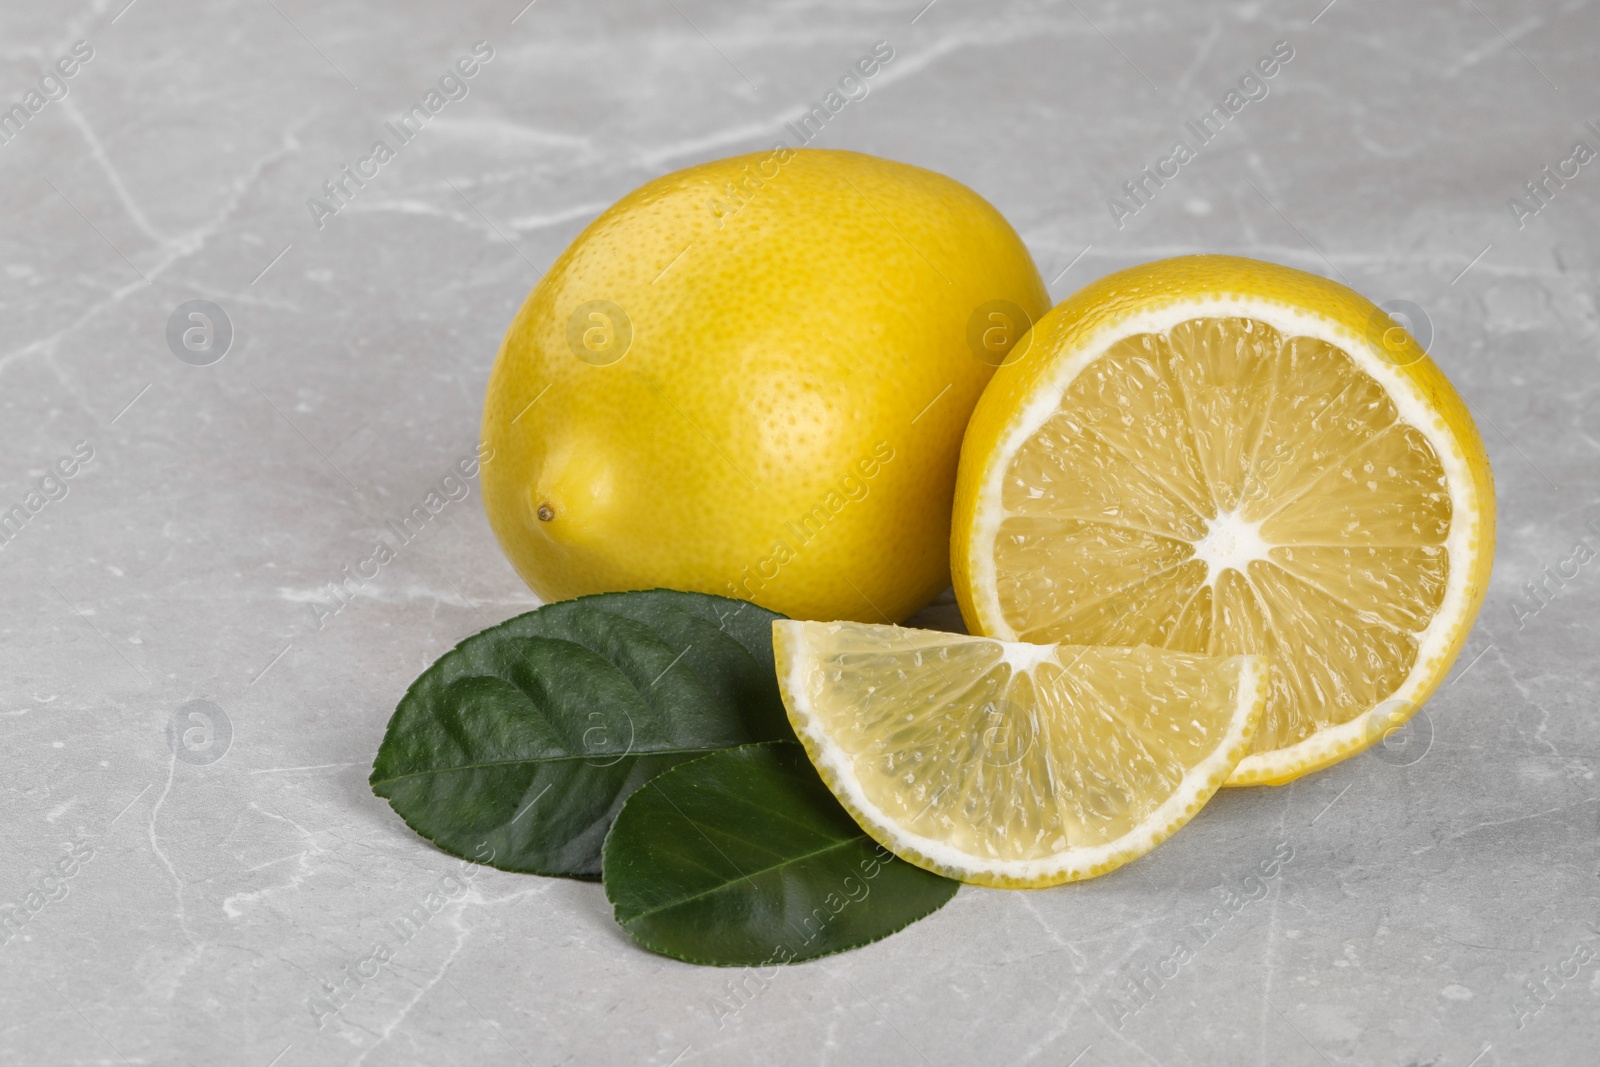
(751, 377)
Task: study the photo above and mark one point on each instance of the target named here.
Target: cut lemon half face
(1223, 456)
(1009, 764)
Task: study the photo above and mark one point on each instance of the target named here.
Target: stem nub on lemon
(751, 377)
(1218, 455)
(1009, 764)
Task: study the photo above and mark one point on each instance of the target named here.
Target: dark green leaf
(744, 857)
(519, 745)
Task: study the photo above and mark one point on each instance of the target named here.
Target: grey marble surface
(186, 912)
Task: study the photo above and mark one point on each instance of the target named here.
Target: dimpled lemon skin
(785, 421)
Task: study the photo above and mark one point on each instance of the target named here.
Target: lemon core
(1231, 542)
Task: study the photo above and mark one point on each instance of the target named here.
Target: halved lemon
(1219, 455)
(1009, 764)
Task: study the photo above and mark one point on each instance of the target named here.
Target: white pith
(1023, 657)
(1231, 542)
(1434, 642)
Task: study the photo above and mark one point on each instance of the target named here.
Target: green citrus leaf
(518, 747)
(744, 857)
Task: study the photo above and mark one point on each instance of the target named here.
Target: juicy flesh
(1007, 752)
(1222, 488)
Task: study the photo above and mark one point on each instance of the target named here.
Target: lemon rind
(794, 656)
(1437, 645)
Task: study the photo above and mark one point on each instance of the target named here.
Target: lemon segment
(1011, 764)
(1222, 456)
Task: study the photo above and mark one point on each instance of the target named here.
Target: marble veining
(194, 684)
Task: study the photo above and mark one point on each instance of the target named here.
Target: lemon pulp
(1290, 512)
(1219, 455)
(1009, 763)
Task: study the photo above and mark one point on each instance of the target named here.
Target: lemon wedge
(1223, 456)
(1008, 764)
